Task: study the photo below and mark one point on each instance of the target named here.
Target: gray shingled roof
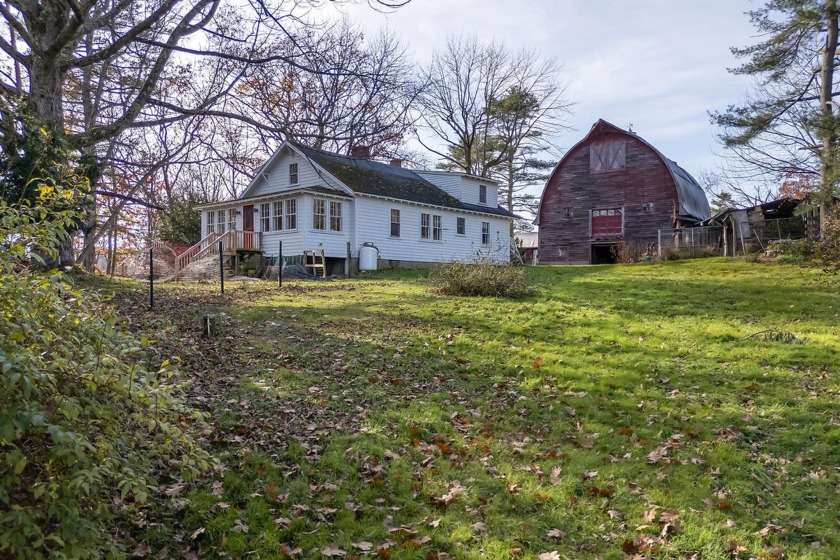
(692, 197)
(379, 179)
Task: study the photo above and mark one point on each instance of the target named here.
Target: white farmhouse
(313, 200)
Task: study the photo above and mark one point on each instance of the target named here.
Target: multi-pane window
(265, 216)
(485, 233)
(277, 215)
(293, 174)
(319, 214)
(291, 213)
(648, 207)
(231, 218)
(482, 194)
(425, 226)
(395, 223)
(335, 216)
(461, 226)
(221, 219)
(569, 212)
(211, 222)
(437, 228)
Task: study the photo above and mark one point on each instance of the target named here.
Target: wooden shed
(613, 187)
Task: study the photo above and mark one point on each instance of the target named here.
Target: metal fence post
(222, 267)
(280, 264)
(151, 278)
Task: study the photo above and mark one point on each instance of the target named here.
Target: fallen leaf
(553, 555)
(333, 550)
(195, 534)
(364, 546)
(556, 534)
(141, 550)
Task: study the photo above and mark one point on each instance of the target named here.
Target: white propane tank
(368, 257)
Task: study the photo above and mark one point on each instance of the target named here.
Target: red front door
(248, 227)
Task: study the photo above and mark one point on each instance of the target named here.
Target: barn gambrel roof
(692, 198)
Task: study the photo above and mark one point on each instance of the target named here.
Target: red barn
(613, 187)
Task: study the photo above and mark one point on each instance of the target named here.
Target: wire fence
(690, 242)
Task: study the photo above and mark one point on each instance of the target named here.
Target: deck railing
(232, 240)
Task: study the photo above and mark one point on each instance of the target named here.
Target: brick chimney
(396, 162)
(360, 152)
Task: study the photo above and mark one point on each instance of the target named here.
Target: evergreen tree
(790, 124)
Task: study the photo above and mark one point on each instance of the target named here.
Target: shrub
(830, 243)
(795, 251)
(482, 278)
(633, 252)
(86, 425)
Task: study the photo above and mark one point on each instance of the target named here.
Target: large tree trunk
(46, 79)
(828, 163)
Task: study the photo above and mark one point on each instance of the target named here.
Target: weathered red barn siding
(644, 179)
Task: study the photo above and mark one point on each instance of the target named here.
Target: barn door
(607, 221)
(607, 155)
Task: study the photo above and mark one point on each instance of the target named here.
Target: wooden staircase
(232, 241)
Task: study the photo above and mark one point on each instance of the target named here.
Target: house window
(395, 223)
(211, 222)
(485, 233)
(569, 212)
(277, 215)
(648, 207)
(607, 221)
(319, 214)
(221, 220)
(291, 213)
(335, 216)
(293, 174)
(265, 217)
(607, 155)
(482, 194)
(461, 226)
(425, 226)
(437, 228)
(231, 218)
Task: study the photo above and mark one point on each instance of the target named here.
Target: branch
(129, 199)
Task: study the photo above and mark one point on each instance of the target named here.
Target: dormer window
(482, 194)
(293, 174)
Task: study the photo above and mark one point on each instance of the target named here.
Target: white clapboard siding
(463, 187)
(374, 226)
(275, 177)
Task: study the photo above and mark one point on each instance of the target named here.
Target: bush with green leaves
(89, 423)
(796, 251)
(482, 278)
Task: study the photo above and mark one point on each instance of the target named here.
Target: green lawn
(685, 410)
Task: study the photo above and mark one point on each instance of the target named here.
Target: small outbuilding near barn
(613, 187)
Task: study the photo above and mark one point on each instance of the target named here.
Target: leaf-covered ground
(686, 410)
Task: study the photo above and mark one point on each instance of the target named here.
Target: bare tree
(497, 113)
(459, 84)
(128, 51)
(365, 99)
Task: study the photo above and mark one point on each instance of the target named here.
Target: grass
(646, 409)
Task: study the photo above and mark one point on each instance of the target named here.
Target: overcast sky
(660, 65)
